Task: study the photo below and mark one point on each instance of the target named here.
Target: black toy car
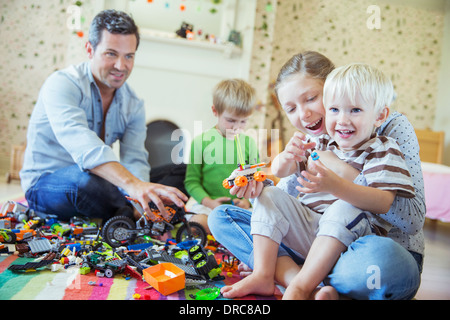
(123, 231)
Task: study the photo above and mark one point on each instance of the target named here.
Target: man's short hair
(116, 22)
(351, 80)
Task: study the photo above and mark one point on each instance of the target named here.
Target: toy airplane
(245, 172)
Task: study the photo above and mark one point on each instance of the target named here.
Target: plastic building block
(166, 278)
(315, 156)
(85, 270)
(206, 294)
(40, 245)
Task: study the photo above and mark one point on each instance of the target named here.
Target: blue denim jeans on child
(373, 267)
(71, 192)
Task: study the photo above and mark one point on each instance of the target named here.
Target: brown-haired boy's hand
(242, 203)
(213, 203)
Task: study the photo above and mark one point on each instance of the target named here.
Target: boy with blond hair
(214, 153)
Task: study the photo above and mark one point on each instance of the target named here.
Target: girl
(404, 245)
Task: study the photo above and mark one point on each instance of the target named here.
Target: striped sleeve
(385, 168)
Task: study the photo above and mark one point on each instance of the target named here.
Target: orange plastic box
(165, 277)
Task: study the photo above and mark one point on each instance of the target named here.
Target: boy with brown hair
(214, 153)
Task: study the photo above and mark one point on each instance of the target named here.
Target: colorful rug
(69, 284)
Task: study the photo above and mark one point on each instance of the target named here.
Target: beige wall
(412, 46)
(407, 47)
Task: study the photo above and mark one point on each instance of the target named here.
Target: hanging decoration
(183, 7)
(76, 19)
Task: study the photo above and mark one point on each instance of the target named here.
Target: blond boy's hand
(319, 179)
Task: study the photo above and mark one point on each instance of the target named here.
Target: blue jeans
(373, 267)
(70, 192)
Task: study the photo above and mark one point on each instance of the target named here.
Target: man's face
(113, 59)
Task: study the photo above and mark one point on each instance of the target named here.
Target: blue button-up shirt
(66, 123)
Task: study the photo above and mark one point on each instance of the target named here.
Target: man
(69, 167)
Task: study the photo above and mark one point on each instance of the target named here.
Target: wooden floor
(436, 268)
(436, 271)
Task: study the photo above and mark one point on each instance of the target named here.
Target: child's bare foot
(244, 270)
(326, 293)
(253, 284)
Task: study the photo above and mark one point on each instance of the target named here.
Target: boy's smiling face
(352, 125)
(229, 124)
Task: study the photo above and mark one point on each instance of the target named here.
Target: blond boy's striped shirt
(379, 160)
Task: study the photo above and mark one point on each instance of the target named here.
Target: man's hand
(159, 194)
(142, 191)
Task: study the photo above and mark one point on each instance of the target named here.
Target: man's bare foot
(253, 284)
(326, 293)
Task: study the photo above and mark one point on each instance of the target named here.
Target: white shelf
(228, 49)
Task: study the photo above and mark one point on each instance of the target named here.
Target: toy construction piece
(206, 294)
(245, 172)
(242, 175)
(159, 217)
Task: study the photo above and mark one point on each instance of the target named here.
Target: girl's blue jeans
(373, 267)
(70, 192)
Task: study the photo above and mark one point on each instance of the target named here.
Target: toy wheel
(197, 232)
(241, 181)
(109, 273)
(116, 231)
(198, 257)
(9, 237)
(226, 184)
(259, 176)
(194, 250)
